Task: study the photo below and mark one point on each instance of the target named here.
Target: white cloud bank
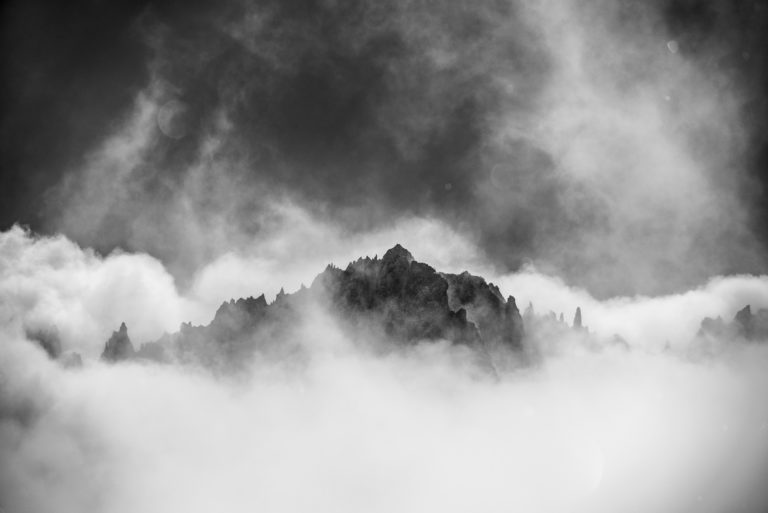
(350, 431)
(51, 281)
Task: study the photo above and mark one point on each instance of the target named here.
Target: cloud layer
(596, 154)
(612, 143)
(347, 429)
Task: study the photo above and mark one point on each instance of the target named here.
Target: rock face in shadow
(119, 346)
(395, 296)
(409, 300)
(498, 321)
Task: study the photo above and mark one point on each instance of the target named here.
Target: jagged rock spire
(747, 325)
(119, 346)
(751, 325)
(577, 319)
(407, 300)
(744, 322)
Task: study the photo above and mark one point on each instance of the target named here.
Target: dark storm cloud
(195, 117)
(366, 110)
(68, 71)
(351, 102)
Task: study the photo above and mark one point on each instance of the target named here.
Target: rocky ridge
(395, 296)
(746, 326)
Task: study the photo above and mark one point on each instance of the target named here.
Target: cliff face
(498, 320)
(406, 300)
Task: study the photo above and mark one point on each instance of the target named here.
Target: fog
(601, 155)
(349, 428)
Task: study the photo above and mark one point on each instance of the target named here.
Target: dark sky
(366, 112)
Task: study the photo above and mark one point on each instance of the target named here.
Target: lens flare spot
(173, 119)
(673, 46)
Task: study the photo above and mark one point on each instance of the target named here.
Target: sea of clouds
(419, 429)
(610, 154)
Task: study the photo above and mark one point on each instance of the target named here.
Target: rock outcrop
(498, 320)
(747, 326)
(403, 300)
(408, 299)
(577, 325)
(119, 346)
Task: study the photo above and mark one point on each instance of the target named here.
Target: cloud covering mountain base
(606, 155)
(417, 428)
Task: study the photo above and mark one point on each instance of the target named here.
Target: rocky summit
(395, 298)
(746, 325)
(119, 346)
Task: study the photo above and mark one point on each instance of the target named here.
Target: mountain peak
(397, 296)
(397, 252)
(119, 346)
(577, 319)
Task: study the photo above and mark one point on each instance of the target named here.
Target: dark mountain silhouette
(752, 327)
(394, 297)
(119, 346)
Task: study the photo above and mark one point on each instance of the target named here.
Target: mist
(349, 427)
(600, 157)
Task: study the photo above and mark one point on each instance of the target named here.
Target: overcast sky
(619, 144)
